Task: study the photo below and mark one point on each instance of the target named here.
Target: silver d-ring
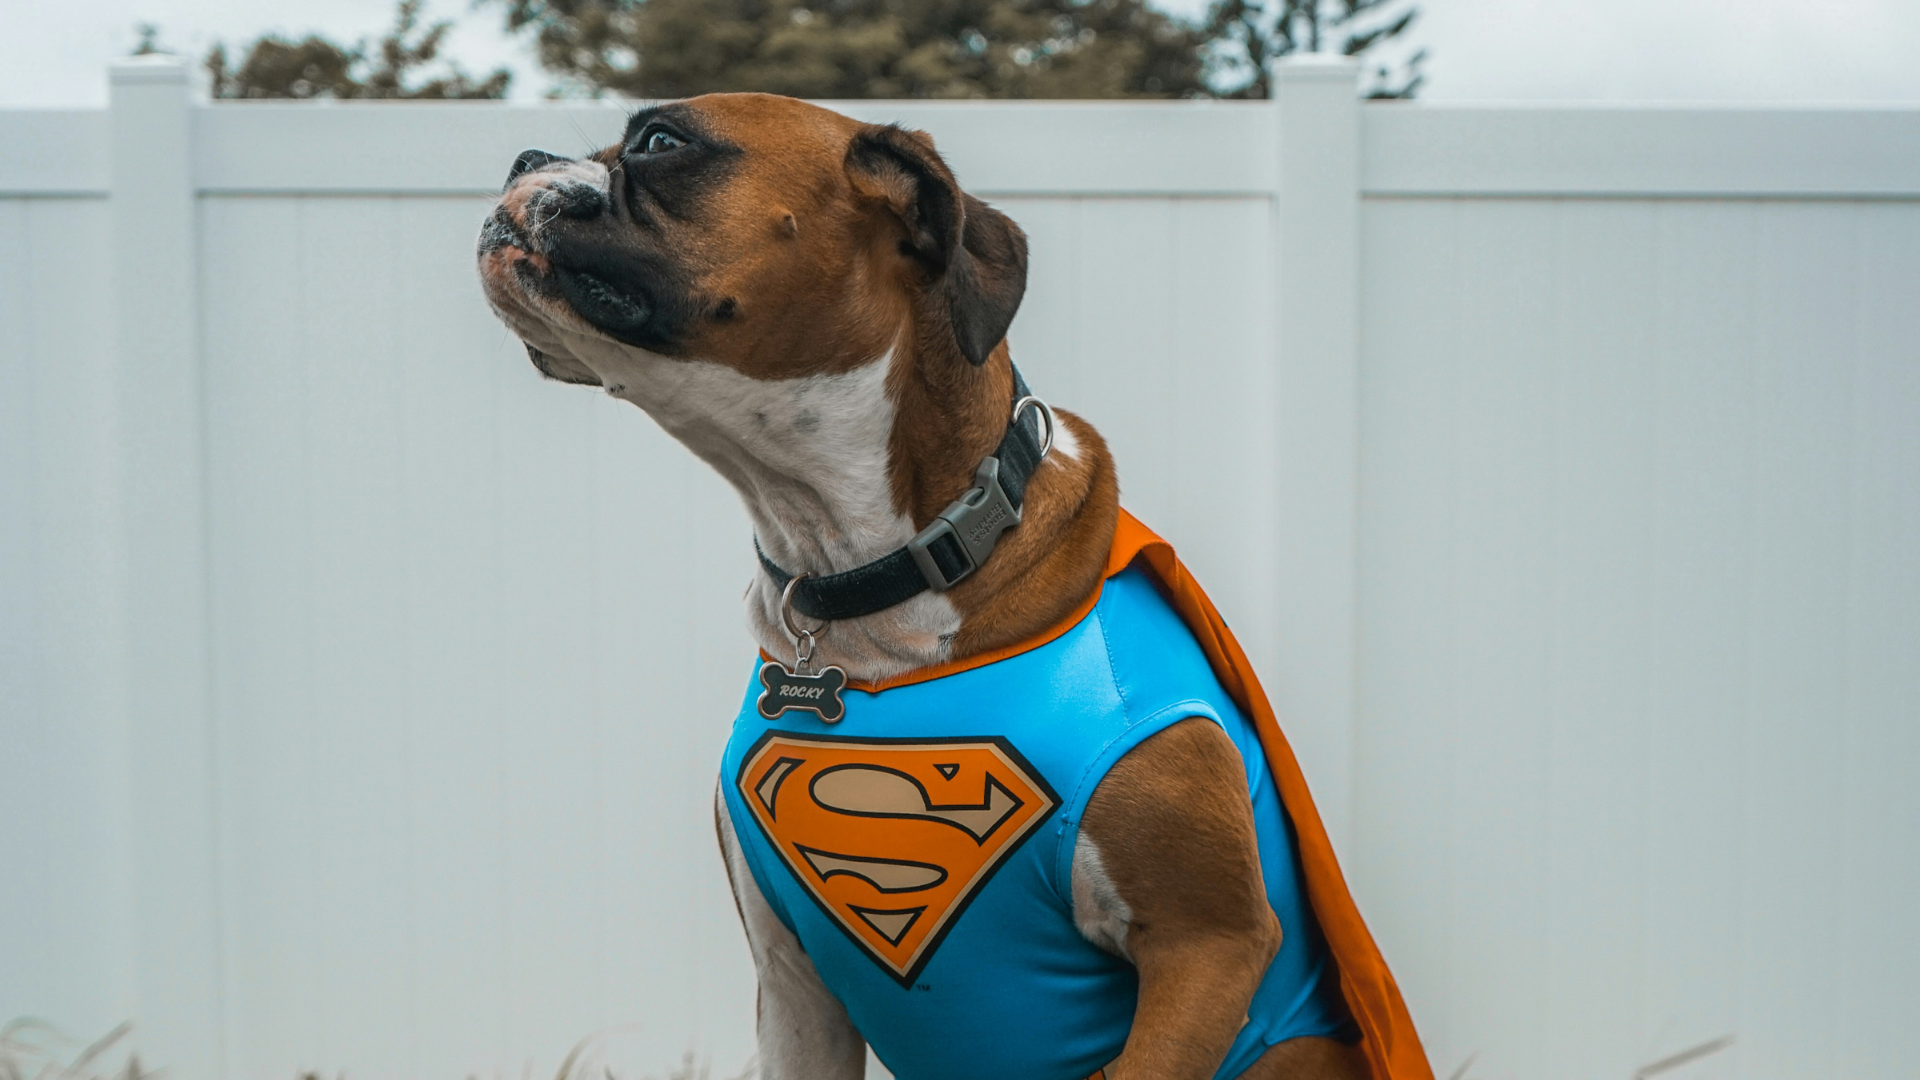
(786, 610)
(1046, 413)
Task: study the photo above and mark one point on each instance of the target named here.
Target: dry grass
(32, 1050)
(1645, 1072)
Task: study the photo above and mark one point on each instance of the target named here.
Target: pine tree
(314, 67)
(866, 48)
(1249, 35)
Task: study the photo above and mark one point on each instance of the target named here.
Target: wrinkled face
(759, 232)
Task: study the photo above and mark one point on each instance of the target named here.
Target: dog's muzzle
(623, 313)
(556, 210)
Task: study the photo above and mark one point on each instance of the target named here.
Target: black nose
(530, 160)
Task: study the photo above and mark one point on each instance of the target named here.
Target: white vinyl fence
(1560, 467)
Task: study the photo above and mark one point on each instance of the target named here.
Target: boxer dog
(817, 310)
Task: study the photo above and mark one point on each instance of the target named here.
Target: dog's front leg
(803, 1030)
(1167, 873)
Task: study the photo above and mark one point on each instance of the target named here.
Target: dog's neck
(837, 470)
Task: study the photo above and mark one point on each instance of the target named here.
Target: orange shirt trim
(1388, 1039)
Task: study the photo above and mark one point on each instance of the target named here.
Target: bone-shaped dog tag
(818, 694)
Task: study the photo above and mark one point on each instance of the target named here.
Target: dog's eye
(659, 141)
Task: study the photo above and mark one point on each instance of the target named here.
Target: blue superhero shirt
(921, 849)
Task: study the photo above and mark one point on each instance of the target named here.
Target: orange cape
(1387, 1037)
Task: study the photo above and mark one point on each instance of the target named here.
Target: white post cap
(1317, 67)
(151, 68)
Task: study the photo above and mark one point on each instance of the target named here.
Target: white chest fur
(809, 457)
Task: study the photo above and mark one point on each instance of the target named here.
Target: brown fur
(1175, 825)
(1041, 570)
(805, 246)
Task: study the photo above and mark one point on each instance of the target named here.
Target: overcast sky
(55, 53)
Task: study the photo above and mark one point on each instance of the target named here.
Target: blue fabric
(1013, 991)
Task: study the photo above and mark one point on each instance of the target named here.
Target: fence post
(1316, 264)
(169, 716)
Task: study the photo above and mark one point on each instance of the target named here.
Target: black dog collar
(949, 549)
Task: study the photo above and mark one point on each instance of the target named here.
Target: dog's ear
(978, 254)
(985, 284)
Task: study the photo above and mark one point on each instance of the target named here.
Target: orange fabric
(1388, 1039)
(1391, 1045)
(920, 675)
(905, 805)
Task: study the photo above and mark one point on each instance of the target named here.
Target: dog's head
(775, 237)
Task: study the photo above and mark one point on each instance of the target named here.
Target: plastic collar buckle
(975, 521)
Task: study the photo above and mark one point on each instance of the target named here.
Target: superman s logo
(893, 838)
